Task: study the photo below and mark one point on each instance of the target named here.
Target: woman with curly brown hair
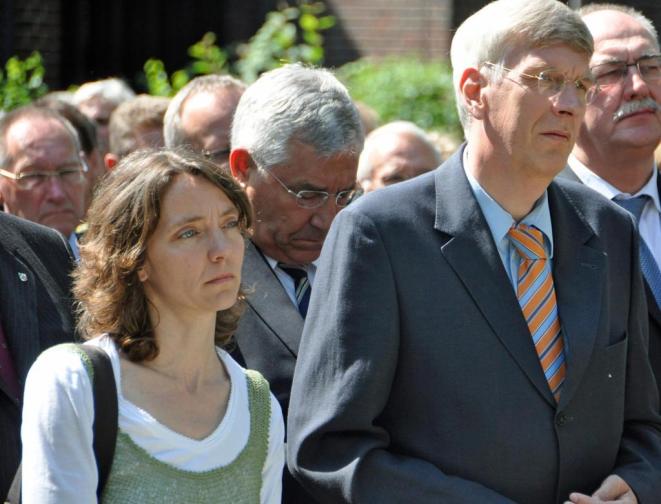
(158, 289)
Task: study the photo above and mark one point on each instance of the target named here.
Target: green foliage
(207, 58)
(22, 81)
(407, 89)
(289, 34)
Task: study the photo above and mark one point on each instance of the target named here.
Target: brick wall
(383, 27)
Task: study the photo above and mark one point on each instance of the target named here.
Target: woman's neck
(186, 351)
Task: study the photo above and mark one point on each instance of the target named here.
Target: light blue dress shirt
(500, 221)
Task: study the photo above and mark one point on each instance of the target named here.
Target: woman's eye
(189, 233)
(231, 224)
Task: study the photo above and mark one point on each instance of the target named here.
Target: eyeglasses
(70, 174)
(314, 199)
(551, 83)
(613, 73)
(217, 156)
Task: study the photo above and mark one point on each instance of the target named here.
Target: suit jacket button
(561, 420)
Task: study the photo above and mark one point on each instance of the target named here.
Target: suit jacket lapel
(268, 299)
(579, 276)
(472, 254)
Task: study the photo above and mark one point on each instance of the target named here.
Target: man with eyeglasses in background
(614, 152)
(42, 170)
(481, 333)
(296, 138)
(200, 116)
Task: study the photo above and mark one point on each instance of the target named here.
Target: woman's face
(194, 257)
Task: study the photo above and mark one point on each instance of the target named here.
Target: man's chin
(302, 252)
(64, 226)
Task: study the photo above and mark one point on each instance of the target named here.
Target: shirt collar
(273, 263)
(594, 181)
(500, 221)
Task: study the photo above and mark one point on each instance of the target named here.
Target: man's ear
(110, 160)
(240, 161)
(471, 86)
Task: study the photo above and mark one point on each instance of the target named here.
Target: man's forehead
(616, 33)
(39, 137)
(555, 55)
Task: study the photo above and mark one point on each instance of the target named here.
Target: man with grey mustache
(614, 152)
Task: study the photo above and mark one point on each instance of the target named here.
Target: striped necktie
(301, 286)
(537, 299)
(647, 263)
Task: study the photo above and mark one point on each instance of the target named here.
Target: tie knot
(634, 205)
(296, 273)
(528, 242)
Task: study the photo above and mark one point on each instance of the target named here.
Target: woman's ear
(142, 275)
(472, 85)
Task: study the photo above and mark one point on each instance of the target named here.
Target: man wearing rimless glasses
(296, 137)
(481, 334)
(42, 171)
(614, 152)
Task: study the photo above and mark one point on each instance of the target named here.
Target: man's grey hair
(113, 90)
(299, 103)
(27, 112)
(636, 14)
(377, 137)
(173, 132)
(505, 26)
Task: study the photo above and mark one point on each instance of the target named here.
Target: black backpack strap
(104, 429)
(105, 412)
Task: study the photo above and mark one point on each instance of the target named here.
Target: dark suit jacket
(417, 380)
(267, 340)
(653, 309)
(36, 314)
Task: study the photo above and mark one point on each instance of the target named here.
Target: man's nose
(323, 216)
(55, 188)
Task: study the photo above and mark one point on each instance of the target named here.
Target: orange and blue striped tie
(538, 302)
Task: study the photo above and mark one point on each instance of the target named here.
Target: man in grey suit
(614, 152)
(35, 313)
(477, 334)
(296, 138)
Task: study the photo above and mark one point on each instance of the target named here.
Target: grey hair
(173, 132)
(503, 26)
(374, 140)
(645, 22)
(113, 90)
(26, 112)
(295, 102)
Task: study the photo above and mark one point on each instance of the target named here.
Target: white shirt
(287, 281)
(58, 414)
(650, 219)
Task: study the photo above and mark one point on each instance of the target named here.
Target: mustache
(634, 106)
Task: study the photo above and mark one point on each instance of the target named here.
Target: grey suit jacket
(35, 307)
(267, 340)
(417, 380)
(270, 329)
(653, 309)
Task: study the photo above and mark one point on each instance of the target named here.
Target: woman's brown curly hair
(125, 211)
